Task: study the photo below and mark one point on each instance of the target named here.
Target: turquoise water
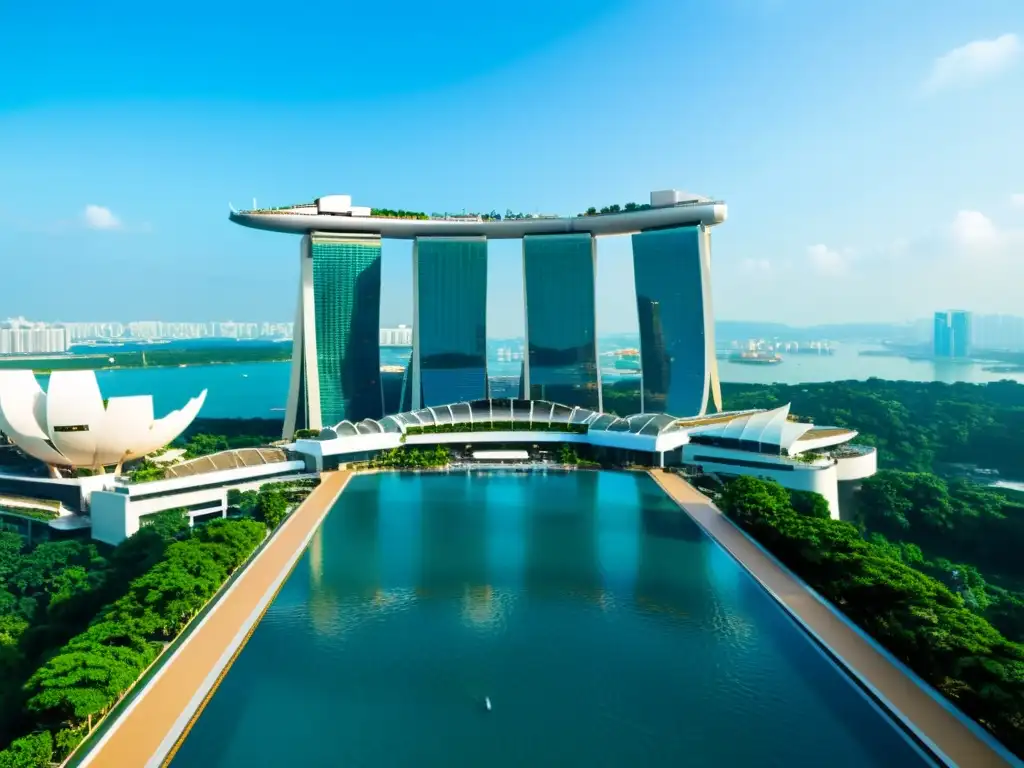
(604, 626)
(261, 389)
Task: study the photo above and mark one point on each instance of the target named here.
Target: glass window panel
(442, 415)
(451, 290)
(670, 269)
(346, 298)
(601, 422)
(560, 318)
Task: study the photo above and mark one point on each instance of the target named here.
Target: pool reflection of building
(344, 561)
(561, 541)
(453, 541)
(664, 580)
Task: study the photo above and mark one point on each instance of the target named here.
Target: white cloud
(827, 261)
(972, 63)
(973, 230)
(756, 266)
(99, 217)
(1017, 201)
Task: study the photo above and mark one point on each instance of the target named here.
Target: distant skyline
(869, 153)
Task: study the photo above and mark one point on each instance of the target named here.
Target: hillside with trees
(894, 591)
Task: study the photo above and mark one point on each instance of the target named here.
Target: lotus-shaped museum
(71, 425)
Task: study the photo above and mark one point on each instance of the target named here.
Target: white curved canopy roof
(773, 428)
(70, 425)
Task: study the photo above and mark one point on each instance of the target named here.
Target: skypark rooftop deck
(336, 214)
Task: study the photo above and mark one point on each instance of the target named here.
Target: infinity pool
(604, 626)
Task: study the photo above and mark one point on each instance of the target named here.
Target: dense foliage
(50, 594)
(922, 622)
(79, 625)
(412, 458)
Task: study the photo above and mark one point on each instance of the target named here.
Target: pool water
(604, 626)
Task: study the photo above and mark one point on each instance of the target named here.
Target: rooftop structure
(71, 425)
(335, 213)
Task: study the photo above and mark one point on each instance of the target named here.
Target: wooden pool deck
(149, 731)
(957, 741)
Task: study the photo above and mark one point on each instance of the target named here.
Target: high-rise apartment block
(18, 336)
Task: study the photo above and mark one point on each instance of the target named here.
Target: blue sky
(870, 152)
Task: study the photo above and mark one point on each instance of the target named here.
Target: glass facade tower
(561, 343)
(346, 306)
(450, 320)
(952, 337)
(671, 269)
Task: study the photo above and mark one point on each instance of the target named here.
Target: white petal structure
(70, 425)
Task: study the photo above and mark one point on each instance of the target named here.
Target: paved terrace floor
(947, 732)
(146, 732)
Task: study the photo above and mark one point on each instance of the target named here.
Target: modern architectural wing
(72, 425)
(561, 320)
(799, 455)
(672, 273)
(449, 360)
(336, 349)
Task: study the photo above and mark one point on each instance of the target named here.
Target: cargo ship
(755, 357)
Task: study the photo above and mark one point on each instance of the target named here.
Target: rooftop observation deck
(336, 214)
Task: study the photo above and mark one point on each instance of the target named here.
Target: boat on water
(755, 358)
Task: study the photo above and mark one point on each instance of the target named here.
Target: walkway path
(147, 732)
(958, 742)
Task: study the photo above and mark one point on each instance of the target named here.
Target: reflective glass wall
(346, 298)
(670, 274)
(450, 327)
(561, 360)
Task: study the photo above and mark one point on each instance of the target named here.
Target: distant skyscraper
(561, 339)
(449, 353)
(952, 335)
(672, 272)
(336, 351)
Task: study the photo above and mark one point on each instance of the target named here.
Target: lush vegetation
(79, 624)
(967, 536)
(615, 208)
(496, 426)
(568, 456)
(306, 434)
(52, 595)
(924, 623)
(388, 213)
(411, 458)
(30, 513)
(272, 502)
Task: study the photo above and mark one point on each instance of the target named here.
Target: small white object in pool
(487, 703)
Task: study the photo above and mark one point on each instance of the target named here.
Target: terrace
(311, 208)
